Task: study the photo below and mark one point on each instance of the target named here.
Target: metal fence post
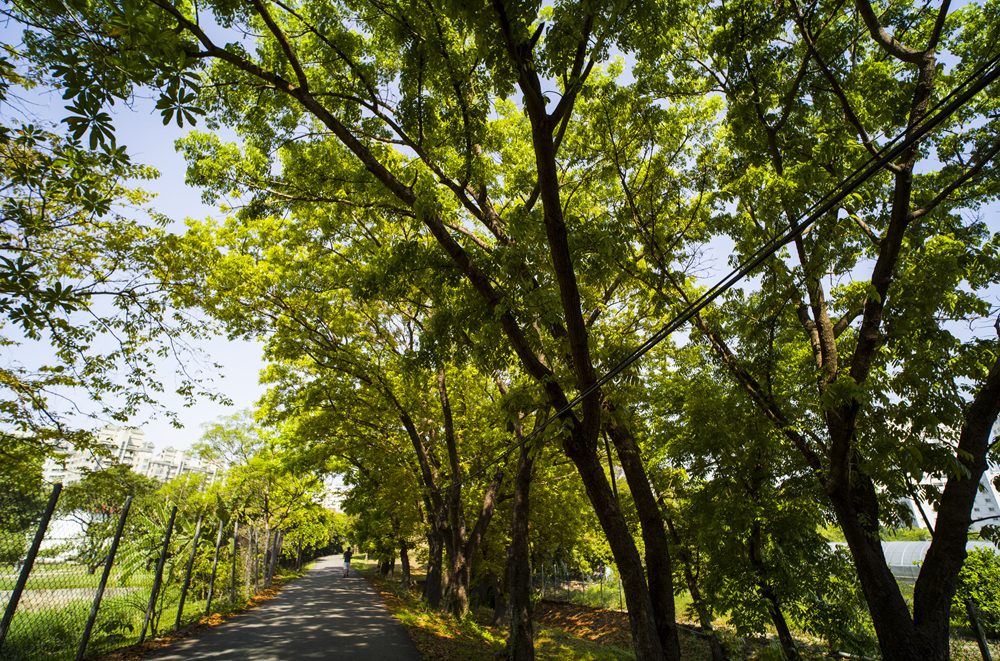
(232, 580)
(215, 565)
(250, 555)
(265, 556)
(158, 579)
(268, 555)
(279, 544)
(187, 573)
(29, 562)
(104, 580)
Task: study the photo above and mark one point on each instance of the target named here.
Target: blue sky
(151, 143)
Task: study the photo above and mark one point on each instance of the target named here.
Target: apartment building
(128, 446)
(985, 511)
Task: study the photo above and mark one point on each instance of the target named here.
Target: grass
(575, 632)
(554, 643)
(54, 633)
(441, 637)
(66, 576)
(562, 632)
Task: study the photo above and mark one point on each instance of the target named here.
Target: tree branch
(286, 47)
(884, 39)
(958, 183)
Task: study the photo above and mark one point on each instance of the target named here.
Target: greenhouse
(905, 558)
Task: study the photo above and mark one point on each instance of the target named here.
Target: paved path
(319, 616)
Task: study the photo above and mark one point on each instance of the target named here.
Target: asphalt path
(319, 616)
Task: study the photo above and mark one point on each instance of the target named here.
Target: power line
(987, 74)
(826, 204)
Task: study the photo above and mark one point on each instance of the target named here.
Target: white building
(986, 509)
(128, 446)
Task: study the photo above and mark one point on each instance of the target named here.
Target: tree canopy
(450, 219)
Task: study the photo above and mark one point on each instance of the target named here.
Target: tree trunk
(642, 621)
(935, 587)
(404, 562)
(780, 624)
(459, 558)
(756, 553)
(465, 550)
(771, 599)
(500, 607)
(700, 606)
(925, 636)
(458, 583)
(852, 492)
(658, 568)
(275, 553)
(521, 637)
(433, 588)
(890, 615)
(611, 469)
(438, 535)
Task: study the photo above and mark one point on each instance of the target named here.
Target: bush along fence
(92, 582)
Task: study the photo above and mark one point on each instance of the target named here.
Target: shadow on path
(319, 616)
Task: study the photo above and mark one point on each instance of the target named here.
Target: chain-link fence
(602, 589)
(87, 583)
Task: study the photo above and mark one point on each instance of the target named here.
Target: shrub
(13, 546)
(979, 581)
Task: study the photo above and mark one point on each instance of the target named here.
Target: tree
(265, 480)
(887, 388)
(74, 281)
(312, 530)
(750, 511)
(412, 445)
(361, 369)
(567, 218)
(22, 501)
(979, 581)
(541, 264)
(95, 503)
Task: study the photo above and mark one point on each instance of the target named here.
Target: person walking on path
(312, 618)
(348, 554)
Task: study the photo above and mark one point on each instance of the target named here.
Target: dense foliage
(448, 220)
(979, 581)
